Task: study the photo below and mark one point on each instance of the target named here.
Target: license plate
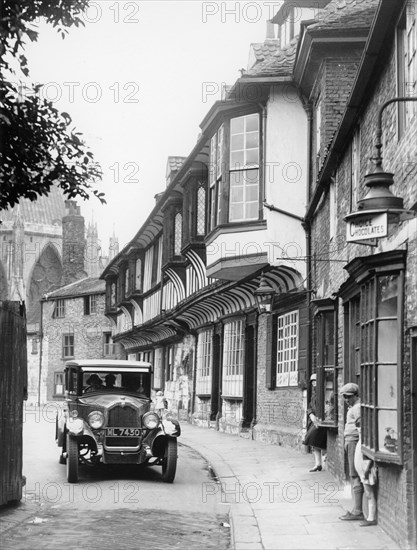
(123, 432)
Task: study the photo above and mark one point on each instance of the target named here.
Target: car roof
(102, 364)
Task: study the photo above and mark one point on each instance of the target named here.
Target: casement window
(67, 345)
(287, 349)
(201, 209)
(90, 304)
(407, 64)
(170, 352)
(59, 310)
(58, 384)
(244, 168)
(204, 362)
(113, 295)
(380, 279)
(234, 178)
(326, 357)
(354, 170)
(177, 233)
(233, 358)
(216, 176)
(127, 282)
(158, 378)
(138, 275)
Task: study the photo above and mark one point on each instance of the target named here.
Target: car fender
(81, 432)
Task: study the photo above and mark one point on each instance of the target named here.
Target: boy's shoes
(352, 517)
(316, 469)
(366, 523)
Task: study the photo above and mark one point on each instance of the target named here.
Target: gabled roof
(83, 287)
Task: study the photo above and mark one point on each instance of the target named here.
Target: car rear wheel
(169, 461)
(72, 460)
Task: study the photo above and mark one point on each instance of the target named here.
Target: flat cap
(349, 389)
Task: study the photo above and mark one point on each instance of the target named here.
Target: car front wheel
(169, 461)
(72, 460)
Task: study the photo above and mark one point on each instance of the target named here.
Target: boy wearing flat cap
(350, 393)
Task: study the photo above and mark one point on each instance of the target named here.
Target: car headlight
(150, 420)
(96, 419)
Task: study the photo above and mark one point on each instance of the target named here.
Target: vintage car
(107, 418)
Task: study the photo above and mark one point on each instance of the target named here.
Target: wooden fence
(13, 391)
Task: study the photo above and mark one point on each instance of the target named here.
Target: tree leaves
(38, 148)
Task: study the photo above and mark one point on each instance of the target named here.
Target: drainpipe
(307, 228)
(40, 352)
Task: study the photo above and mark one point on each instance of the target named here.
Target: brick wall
(395, 512)
(88, 336)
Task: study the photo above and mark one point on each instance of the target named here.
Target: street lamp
(379, 206)
(264, 295)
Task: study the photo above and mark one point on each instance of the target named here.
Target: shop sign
(367, 228)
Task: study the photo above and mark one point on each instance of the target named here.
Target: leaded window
(204, 361)
(233, 358)
(244, 168)
(201, 209)
(287, 349)
(177, 234)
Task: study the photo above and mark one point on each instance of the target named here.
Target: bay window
(326, 358)
(380, 280)
(234, 175)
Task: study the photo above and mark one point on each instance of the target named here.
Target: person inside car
(110, 380)
(94, 382)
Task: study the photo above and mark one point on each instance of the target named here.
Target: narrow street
(112, 506)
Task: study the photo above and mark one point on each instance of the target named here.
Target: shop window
(352, 340)
(59, 310)
(90, 304)
(204, 362)
(233, 359)
(380, 279)
(287, 349)
(58, 384)
(325, 346)
(380, 334)
(67, 345)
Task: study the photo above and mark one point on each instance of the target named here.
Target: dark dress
(315, 437)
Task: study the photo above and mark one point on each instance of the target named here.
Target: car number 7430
(123, 432)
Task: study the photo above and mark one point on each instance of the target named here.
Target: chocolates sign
(367, 228)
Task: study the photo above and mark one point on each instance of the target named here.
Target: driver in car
(94, 382)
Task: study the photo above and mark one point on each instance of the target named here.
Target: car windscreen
(117, 382)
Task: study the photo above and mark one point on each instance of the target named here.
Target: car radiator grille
(122, 417)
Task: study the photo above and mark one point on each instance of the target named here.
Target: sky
(137, 80)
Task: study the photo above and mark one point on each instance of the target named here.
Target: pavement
(275, 502)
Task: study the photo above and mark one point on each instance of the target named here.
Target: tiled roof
(265, 50)
(89, 285)
(280, 63)
(175, 163)
(345, 14)
(45, 210)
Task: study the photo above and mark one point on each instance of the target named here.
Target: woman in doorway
(316, 437)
